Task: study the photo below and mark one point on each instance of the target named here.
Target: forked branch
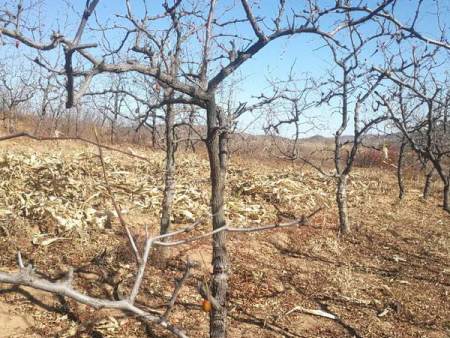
(26, 276)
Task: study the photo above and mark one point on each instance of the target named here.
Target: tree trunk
(77, 120)
(447, 195)
(190, 143)
(169, 184)
(12, 120)
(445, 177)
(401, 186)
(114, 127)
(216, 145)
(153, 129)
(427, 186)
(112, 132)
(4, 119)
(341, 199)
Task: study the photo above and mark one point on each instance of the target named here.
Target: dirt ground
(389, 278)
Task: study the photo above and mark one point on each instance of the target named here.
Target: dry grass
(395, 263)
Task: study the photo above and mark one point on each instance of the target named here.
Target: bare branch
(116, 207)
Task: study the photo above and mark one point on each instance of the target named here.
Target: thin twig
(302, 221)
(116, 207)
(179, 284)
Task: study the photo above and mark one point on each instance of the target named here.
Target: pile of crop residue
(68, 192)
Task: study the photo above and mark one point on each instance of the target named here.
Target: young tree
(15, 90)
(286, 115)
(417, 102)
(417, 106)
(48, 92)
(346, 91)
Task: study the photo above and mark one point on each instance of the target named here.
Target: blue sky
(302, 54)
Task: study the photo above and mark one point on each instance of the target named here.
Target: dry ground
(390, 278)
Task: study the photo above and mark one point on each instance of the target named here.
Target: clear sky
(301, 54)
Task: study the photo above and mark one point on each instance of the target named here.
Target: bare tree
(15, 90)
(422, 126)
(286, 115)
(111, 104)
(48, 91)
(347, 93)
(171, 66)
(418, 104)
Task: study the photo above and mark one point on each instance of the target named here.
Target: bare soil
(389, 278)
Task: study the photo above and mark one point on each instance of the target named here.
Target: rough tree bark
(169, 182)
(341, 200)
(446, 192)
(216, 145)
(154, 133)
(341, 184)
(428, 181)
(169, 178)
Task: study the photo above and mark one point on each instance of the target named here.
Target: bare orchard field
(389, 278)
